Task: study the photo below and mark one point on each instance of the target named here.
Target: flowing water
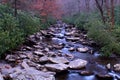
(95, 64)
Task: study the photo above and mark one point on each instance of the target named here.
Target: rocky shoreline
(41, 58)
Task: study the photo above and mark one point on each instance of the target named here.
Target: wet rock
(52, 29)
(60, 51)
(36, 59)
(32, 74)
(69, 56)
(43, 32)
(108, 66)
(73, 38)
(77, 64)
(91, 51)
(39, 53)
(44, 59)
(25, 65)
(47, 34)
(15, 74)
(92, 43)
(46, 49)
(30, 55)
(44, 70)
(38, 46)
(5, 66)
(83, 50)
(11, 58)
(30, 42)
(28, 48)
(1, 77)
(57, 67)
(58, 46)
(22, 56)
(86, 73)
(117, 67)
(59, 54)
(61, 36)
(69, 33)
(31, 64)
(59, 60)
(85, 36)
(117, 77)
(104, 77)
(51, 54)
(71, 49)
(10, 70)
(85, 43)
(81, 40)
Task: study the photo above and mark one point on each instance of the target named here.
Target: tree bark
(87, 2)
(101, 10)
(107, 5)
(112, 14)
(15, 9)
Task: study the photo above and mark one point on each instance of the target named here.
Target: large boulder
(58, 60)
(57, 67)
(32, 74)
(77, 64)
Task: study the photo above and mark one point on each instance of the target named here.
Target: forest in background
(99, 18)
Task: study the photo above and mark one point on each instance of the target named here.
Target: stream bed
(96, 63)
(40, 51)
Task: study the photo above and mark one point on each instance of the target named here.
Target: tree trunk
(107, 5)
(112, 14)
(87, 2)
(79, 6)
(101, 10)
(15, 9)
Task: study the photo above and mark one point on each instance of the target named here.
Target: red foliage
(47, 8)
(14, 3)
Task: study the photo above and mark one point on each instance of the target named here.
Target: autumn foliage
(47, 8)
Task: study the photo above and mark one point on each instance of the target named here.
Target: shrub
(117, 15)
(10, 35)
(28, 23)
(14, 29)
(80, 20)
(106, 41)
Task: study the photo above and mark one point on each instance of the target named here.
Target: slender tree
(87, 2)
(100, 7)
(79, 3)
(15, 4)
(112, 13)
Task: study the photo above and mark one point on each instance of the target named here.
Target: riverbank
(46, 55)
